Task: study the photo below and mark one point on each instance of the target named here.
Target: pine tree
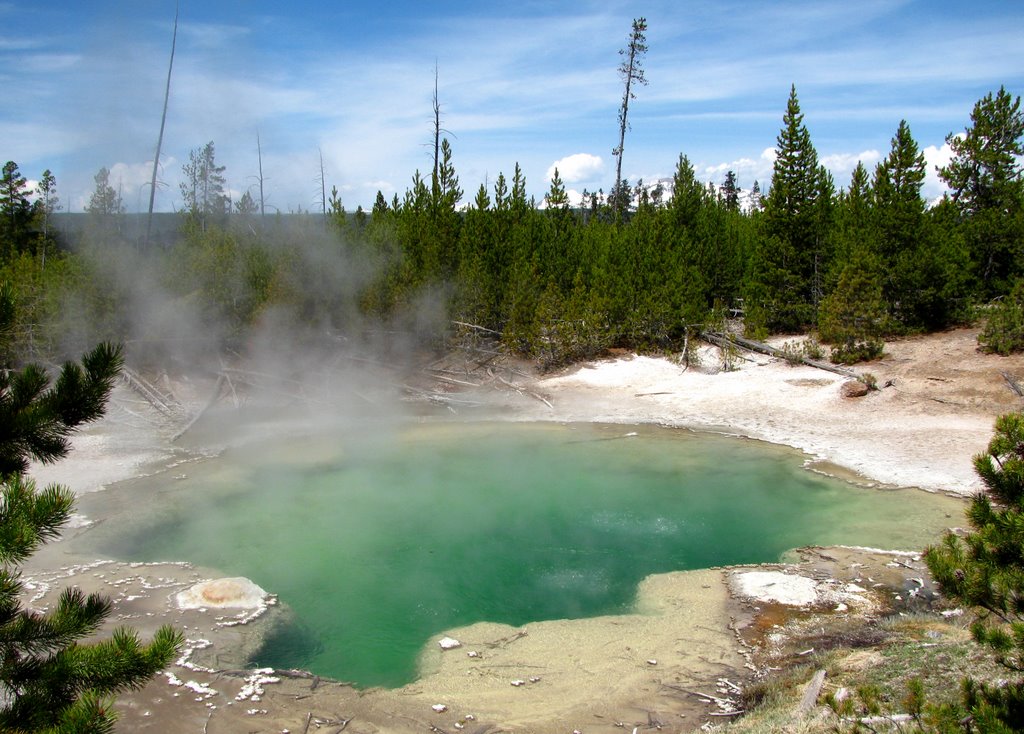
(15, 210)
(203, 189)
(793, 252)
(730, 192)
(105, 201)
(985, 569)
(852, 316)
(556, 198)
(901, 234)
(853, 220)
(246, 205)
(986, 177)
(48, 680)
(47, 203)
(105, 209)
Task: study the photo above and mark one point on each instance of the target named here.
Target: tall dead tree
(323, 188)
(435, 176)
(163, 121)
(631, 71)
(259, 161)
(437, 130)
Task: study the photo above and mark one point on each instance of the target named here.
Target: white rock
(449, 643)
(439, 707)
(775, 586)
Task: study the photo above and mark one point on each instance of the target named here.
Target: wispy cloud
(528, 84)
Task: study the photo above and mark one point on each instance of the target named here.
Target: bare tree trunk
(160, 137)
(631, 71)
(259, 159)
(434, 183)
(323, 188)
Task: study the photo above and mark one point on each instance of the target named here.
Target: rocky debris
(853, 389)
(449, 643)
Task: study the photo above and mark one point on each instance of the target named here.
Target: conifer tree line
(852, 261)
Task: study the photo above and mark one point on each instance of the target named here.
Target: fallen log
(475, 327)
(811, 693)
(209, 403)
(1014, 385)
(169, 407)
(523, 391)
(723, 341)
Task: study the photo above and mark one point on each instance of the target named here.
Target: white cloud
(747, 170)
(935, 157)
(577, 167)
(839, 162)
(841, 165)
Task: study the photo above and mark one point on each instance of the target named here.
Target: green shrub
(1004, 330)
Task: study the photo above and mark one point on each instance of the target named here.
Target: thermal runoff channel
(379, 540)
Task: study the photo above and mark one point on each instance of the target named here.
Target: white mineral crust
(782, 588)
(236, 593)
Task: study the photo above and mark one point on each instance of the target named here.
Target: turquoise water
(380, 539)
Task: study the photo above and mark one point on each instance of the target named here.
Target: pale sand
(604, 674)
(921, 431)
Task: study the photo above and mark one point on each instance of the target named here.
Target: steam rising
(279, 311)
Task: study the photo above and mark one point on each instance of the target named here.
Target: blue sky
(527, 82)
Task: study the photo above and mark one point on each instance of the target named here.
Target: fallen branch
(723, 341)
(811, 693)
(477, 328)
(1014, 385)
(209, 404)
(521, 391)
(150, 393)
(724, 702)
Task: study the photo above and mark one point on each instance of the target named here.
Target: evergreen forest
(644, 267)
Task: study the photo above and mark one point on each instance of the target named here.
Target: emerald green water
(378, 540)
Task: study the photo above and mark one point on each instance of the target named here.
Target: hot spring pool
(378, 539)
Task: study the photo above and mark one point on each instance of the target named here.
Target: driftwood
(1014, 385)
(474, 327)
(523, 391)
(724, 702)
(811, 693)
(724, 341)
(213, 399)
(166, 405)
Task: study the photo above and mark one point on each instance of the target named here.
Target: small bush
(853, 352)
(1004, 331)
(795, 352)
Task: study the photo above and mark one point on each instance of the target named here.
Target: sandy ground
(921, 430)
(693, 633)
